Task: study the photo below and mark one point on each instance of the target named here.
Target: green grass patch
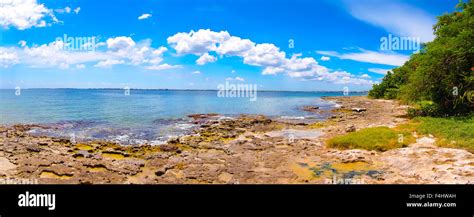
(453, 132)
(317, 125)
(376, 138)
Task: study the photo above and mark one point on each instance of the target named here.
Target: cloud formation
(379, 71)
(25, 14)
(144, 16)
(265, 55)
(395, 17)
(115, 51)
(8, 58)
(164, 66)
(208, 45)
(325, 58)
(205, 58)
(367, 56)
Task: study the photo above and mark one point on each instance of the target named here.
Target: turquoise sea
(142, 115)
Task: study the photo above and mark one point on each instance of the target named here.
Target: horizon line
(172, 89)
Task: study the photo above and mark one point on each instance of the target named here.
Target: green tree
(442, 72)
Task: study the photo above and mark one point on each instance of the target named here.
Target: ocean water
(143, 116)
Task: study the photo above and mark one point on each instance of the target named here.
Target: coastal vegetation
(451, 132)
(438, 80)
(375, 138)
(437, 83)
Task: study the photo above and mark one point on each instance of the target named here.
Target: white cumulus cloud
(266, 55)
(108, 63)
(385, 58)
(25, 14)
(8, 57)
(118, 50)
(197, 43)
(365, 76)
(164, 66)
(205, 58)
(144, 16)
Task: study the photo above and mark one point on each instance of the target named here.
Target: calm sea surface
(143, 115)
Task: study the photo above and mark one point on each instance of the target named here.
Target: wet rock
(203, 116)
(174, 140)
(163, 121)
(310, 108)
(375, 174)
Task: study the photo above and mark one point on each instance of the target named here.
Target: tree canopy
(441, 75)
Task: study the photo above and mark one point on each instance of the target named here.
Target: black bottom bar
(243, 200)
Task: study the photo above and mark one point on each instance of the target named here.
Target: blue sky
(183, 44)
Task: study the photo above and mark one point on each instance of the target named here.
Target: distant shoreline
(165, 89)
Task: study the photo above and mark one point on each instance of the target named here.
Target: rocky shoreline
(248, 149)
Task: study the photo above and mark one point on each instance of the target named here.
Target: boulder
(310, 108)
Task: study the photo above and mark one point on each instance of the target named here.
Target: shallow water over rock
(156, 133)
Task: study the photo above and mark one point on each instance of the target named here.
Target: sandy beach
(245, 150)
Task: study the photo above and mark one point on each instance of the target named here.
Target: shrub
(442, 72)
(425, 108)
